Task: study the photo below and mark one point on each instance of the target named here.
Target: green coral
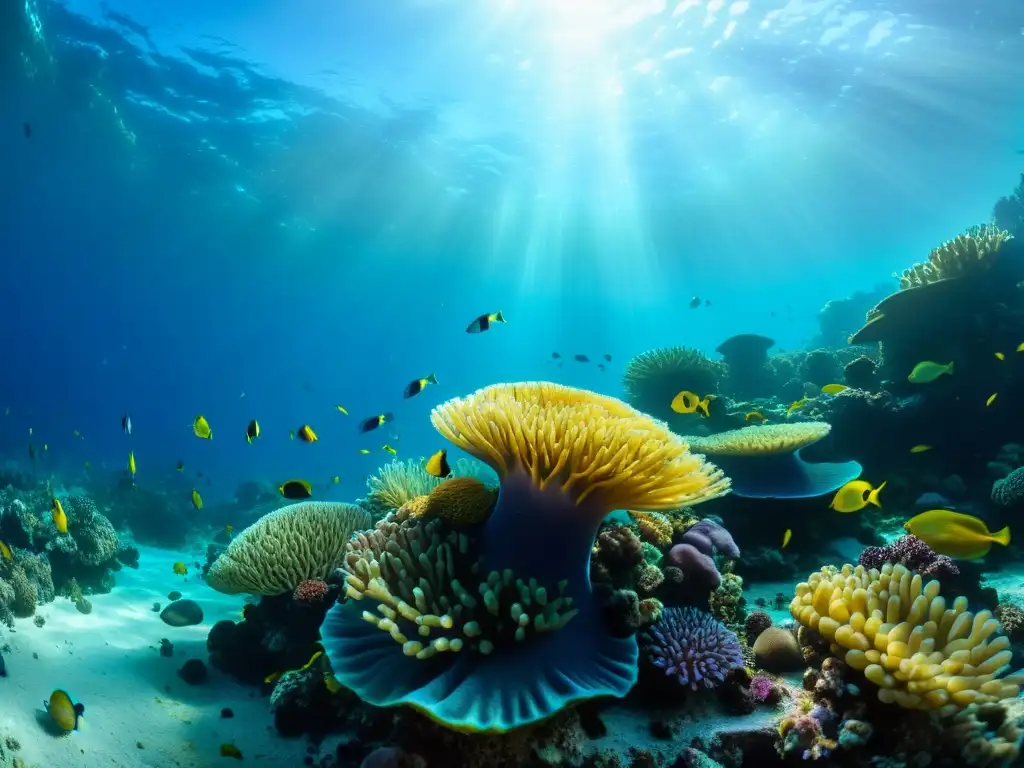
(652, 555)
(727, 604)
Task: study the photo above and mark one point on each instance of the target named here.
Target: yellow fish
(797, 405)
(1000, 356)
(180, 466)
(389, 449)
(856, 495)
(364, 451)
(306, 434)
(689, 402)
(201, 428)
(230, 750)
(179, 568)
(926, 372)
(295, 489)
(756, 417)
(5, 551)
(342, 409)
(60, 520)
(437, 465)
(131, 462)
(76, 433)
(197, 500)
(920, 448)
(1020, 348)
(252, 431)
(228, 529)
(991, 399)
(786, 537)
(834, 389)
(955, 534)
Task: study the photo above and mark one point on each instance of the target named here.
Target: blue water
(308, 202)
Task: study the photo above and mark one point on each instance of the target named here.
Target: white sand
(109, 660)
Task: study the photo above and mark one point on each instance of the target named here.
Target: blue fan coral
(534, 641)
(692, 646)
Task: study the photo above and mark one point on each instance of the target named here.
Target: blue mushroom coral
(763, 461)
(496, 627)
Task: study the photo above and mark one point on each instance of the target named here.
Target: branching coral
(284, 548)
(970, 251)
(911, 552)
(896, 628)
(764, 461)
(654, 377)
(565, 459)
(692, 647)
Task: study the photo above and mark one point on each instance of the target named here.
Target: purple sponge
(709, 537)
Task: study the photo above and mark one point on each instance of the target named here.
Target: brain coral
(899, 632)
(286, 547)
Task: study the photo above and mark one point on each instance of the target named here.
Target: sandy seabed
(138, 711)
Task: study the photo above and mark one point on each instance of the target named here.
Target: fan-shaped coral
(896, 628)
(764, 461)
(565, 458)
(654, 377)
(972, 250)
(692, 646)
(286, 547)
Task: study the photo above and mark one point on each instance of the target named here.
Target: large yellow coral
(457, 501)
(654, 377)
(285, 547)
(761, 439)
(897, 629)
(581, 442)
(967, 252)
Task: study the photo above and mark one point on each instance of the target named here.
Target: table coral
(565, 459)
(969, 251)
(897, 630)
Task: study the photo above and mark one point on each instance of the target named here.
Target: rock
(182, 613)
(193, 672)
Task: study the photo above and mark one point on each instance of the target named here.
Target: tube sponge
(899, 632)
(286, 547)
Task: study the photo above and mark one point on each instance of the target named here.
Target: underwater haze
(253, 253)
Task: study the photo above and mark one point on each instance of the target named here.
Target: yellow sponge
(898, 631)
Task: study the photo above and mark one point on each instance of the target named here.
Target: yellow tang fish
(197, 500)
(201, 428)
(834, 389)
(920, 448)
(389, 449)
(179, 568)
(856, 495)
(926, 372)
(5, 551)
(756, 417)
(342, 409)
(437, 465)
(252, 431)
(364, 451)
(991, 399)
(796, 405)
(131, 462)
(786, 537)
(1000, 356)
(955, 534)
(60, 520)
(689, 402)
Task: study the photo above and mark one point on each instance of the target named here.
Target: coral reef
(914, 554)
(691, 647)
(458, 500)
(1009, 491)
(652, 379)
(972, 250)
(402, 481)
(1008, 212)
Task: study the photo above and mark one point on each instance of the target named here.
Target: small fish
(126, 423)
(5, 551)
(179, 568)
(484, 322)
(786, 537)
(312, 660)
(689, 402)
(707, 302)
(581, 359)
(273, 677)
(86, 465)
(607, 357)
(437, 465)
(336, 479)
(920, 448)
(131, 462)
(556, 356)
(856, 495)
(291, 434)
(695, 302)
(252, 431)
(306, 434)
(834, 389)
(1000, 356)
(27, 130)
(600, 366)
(228, 529)
(30, 431)
(31, 452)
(389, 449)
(991, 399)
(1020, 348)
(796, 405)
(295, 489)
(364, 451)
(341, 409)
(46, 447)
(180, 466)
(230, 750)
(332, 684)
(60, 520)
(370, 424)
(756, 417)
(416, 386)
(75, 433)
(201, 428)
(955, 534)
(927, 372)
(197, 500)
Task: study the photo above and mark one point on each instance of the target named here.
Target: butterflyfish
(295, 489)
(201, 428)
(690, 402)
(437, 465)
(5, 551)
(484, 322)
(63, 711)
(856, 495)
(60, 520)
(179, 568)
(252, 431)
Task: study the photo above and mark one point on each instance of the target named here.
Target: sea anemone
(565, 459)
(763, 461)
(654, 377)
(692, 647)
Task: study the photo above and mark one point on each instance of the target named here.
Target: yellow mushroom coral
(898, 630)
(764, 461)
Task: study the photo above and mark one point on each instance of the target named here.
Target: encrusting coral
(286, 547)
(897, 630)
(763, 461)
(458, 500)
(565, 458)
(969, 251)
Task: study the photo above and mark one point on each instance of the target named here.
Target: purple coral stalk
(708, 537)
(692, 646)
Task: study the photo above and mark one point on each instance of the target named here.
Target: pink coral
(761, 688)
(310, 591)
